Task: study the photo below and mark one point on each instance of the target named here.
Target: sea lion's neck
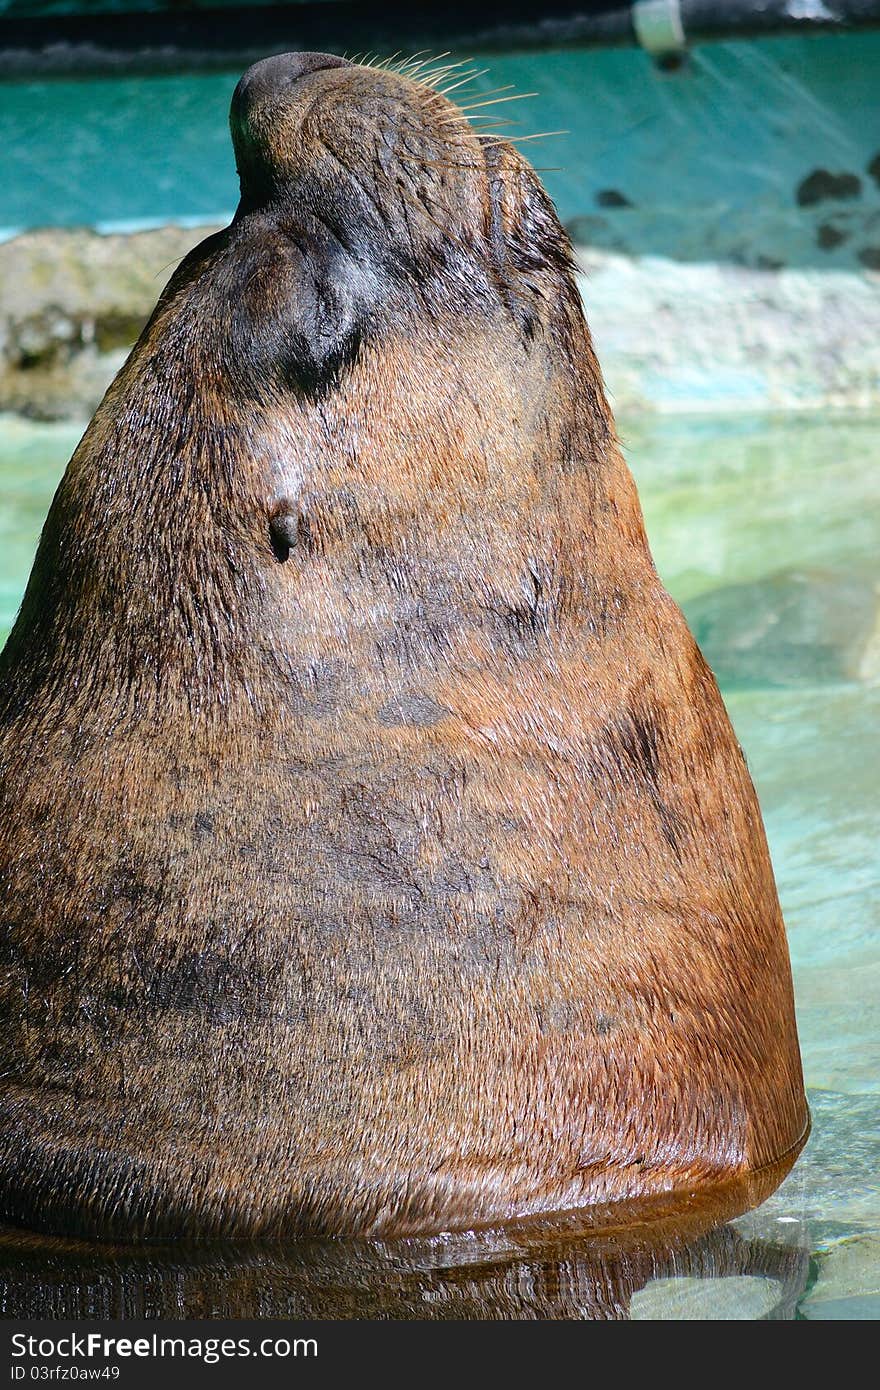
(214, 542)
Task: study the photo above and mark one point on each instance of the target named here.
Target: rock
(849, 1274)
(708, 336)
(72, 303)
(796, 627)
(672, 335)
(742, 1297)
(861, 1309)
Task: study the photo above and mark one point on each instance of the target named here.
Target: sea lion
(376, 853)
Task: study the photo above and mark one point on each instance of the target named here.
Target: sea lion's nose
(272, 76)
(298, 64)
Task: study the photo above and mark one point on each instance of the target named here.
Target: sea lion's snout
(272, 76)
(266, 105)
(351, 140)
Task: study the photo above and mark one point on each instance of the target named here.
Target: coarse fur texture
(376, 855)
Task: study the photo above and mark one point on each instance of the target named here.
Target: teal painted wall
(764, 153)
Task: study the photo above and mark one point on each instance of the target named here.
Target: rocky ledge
(72, 303)
(671, 336)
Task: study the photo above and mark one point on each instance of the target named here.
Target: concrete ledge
(72, 303)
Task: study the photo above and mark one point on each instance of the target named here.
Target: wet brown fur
(582, 1264)
(376, 854)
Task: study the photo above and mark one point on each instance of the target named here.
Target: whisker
(441, 77)
(447, 67)
(521, 139)
(424, 163)
(437, 57)
(497, 101)
(490, 91)
(163, 268)
(452, 145)
(480, 72)
(435, 76)
(541, 135)
(422, 73)
(429, 58)
(490, 123)
(412, 60)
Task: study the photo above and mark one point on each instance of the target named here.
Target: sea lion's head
(380, 368)
(396, 210)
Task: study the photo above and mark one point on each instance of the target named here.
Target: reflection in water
(549, 1268)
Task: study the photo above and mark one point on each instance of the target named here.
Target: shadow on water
(570, 1266)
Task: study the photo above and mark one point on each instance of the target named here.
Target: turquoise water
(704, 163)
(766, 531)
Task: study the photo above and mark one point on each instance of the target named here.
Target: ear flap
(299, 304)
(526, 239)
(331, 304)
